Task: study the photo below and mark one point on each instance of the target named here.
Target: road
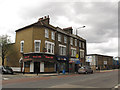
(96, 80)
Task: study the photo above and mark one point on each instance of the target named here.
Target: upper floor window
(37, 45)
(65, 39)
(71, 41)
(75, 42)
(83, 45)
(59, 37)
(73, 52)
(62, 50)
(49, 47)
(46, 33)
(81, 53)
(79, 43)
(53, 35)
(21, 46)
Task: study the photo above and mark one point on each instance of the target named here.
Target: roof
(41, 23)
(99, 55)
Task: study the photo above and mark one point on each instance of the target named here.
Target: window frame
(46, 33)
(62, 49)
(52, 45)
(75, 42)
(65, 39)
(22, 46)
(71, 41)
(35, 45)
(59, 37)
(52, 35)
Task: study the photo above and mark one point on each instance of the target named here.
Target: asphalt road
(96, 80)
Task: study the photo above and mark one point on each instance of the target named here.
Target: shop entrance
(36, 67)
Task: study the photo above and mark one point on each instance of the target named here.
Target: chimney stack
(68, 30)
(45, 19)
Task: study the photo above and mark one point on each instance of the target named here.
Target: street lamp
(79, 28)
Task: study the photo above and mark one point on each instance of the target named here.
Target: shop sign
(36, 56)
(61, 58)
(49, 57)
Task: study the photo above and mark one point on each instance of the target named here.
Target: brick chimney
(45, 19)
(68, 30)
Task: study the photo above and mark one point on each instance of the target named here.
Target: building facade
(41, 47)
(99, 62)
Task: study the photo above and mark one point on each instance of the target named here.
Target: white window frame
(62, 52)
(71, 41)
(75, 42)
(53, 35)
(35, 45)
(65, 39)
(82, 53)
(59, 37)
(79, 43)
(83, 45)
(46, 33)
(51, 47)
(22, 47)
(73, 52)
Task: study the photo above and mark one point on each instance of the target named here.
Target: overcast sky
(100, 19)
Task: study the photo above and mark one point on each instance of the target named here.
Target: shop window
(27, 64)
(48, 65)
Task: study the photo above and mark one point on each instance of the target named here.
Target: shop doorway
(36, 67)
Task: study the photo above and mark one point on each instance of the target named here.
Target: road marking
(5, 78)
(117, 86)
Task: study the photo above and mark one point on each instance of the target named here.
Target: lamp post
(79, 28)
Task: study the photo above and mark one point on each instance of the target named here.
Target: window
(73, 52)
(37, 45)
(59, 37)
(71, 41)
(83, 45)
(46, 33)
(62, 50)
(49, 47)
(81, 53)
(79, 43)
(53, 35)
(75, 42)
(21, 46)
(65, 39)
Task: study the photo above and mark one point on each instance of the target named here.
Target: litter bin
(63, 71)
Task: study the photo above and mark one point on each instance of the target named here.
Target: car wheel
(86, 72)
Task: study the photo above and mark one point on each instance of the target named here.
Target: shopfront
(74, 64)
(39, 62)
(62, 63)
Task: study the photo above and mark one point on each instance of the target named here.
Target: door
(36, 67)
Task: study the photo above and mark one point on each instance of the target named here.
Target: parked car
(85, 70)
(6, 70)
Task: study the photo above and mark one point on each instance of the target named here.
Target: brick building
(41, 47)
(97, 61)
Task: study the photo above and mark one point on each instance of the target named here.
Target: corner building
(41, 47)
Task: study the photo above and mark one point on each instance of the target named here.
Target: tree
(4, 46)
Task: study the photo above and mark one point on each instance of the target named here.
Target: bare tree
(4, 46)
